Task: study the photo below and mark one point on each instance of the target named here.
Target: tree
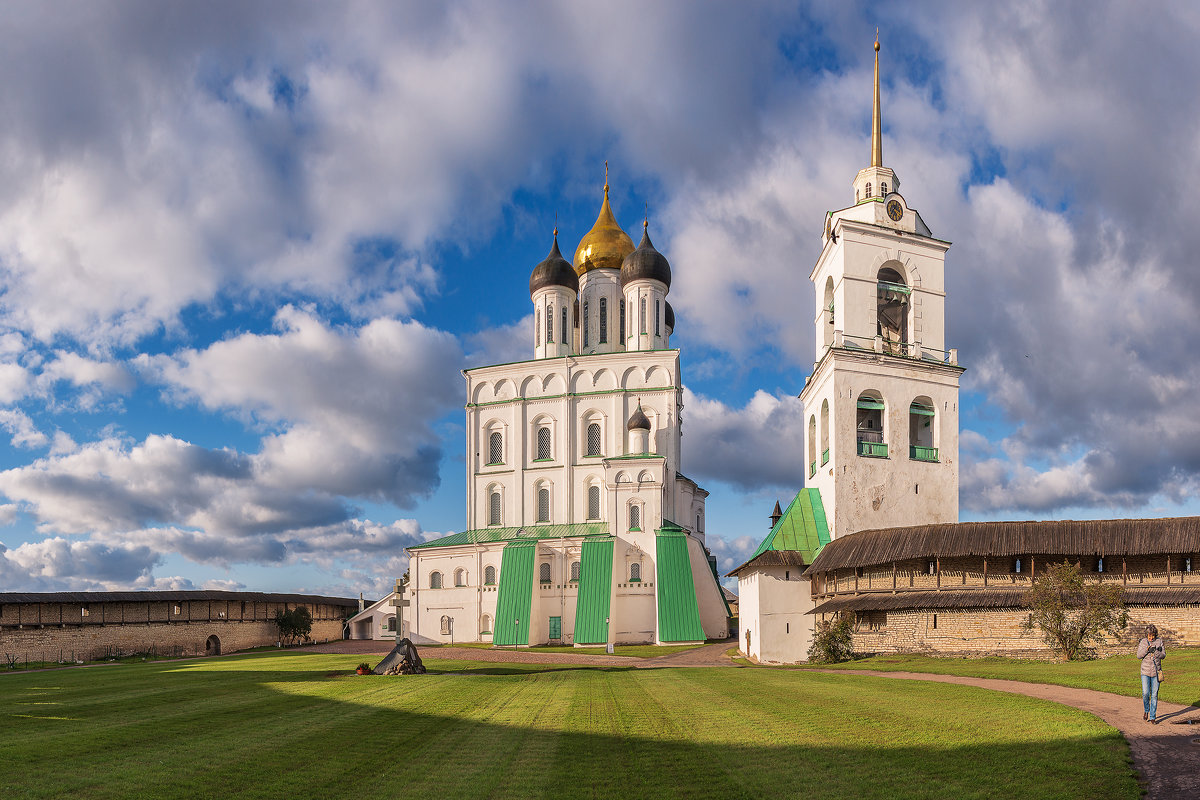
(1072, 612)
(294, 625)
(833, 640)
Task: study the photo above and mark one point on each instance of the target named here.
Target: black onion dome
(638, 420)
(554, 271)
(645, 263)
(670, 316)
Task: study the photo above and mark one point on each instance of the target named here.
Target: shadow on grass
(283, 729)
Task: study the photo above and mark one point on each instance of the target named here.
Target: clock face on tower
(895, 210)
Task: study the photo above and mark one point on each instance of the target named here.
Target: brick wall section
(54, 631)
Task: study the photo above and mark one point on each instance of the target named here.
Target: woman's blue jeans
(1150, 694)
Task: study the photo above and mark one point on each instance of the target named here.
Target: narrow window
(657, 316)
(935, 622)
(787, 574)
(564, 325)
(593, 439)
(543, 505)
(550, 324)
(787, 627)
(575, 571)
(635, 518)
(593, 502)
(489, 575)
(868, 190)
(603, 320)
(635, 573)
(537, 326)
(543, 443)
(544, 572)
(697, 523)
(494, 509)
(642, 315)
(435, 580)
(496, 448)
(585, 323)
(882, 189)
(622, 315)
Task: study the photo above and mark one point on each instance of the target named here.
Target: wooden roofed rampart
(1109, 537)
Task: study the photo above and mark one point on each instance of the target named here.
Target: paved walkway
(1166, 756)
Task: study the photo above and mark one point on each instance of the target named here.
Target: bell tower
(881, 405)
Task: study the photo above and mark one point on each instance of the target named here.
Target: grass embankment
(626, 650)
(1118, 675)
(289, 724)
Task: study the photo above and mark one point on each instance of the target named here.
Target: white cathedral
(580, 527)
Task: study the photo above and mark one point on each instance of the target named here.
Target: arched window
(585, 323)
(622, 315)
(920, 430)
(550, 324)
(869, 431)
(603, 320)
(575, 571)
(635, 517)
(485, 625)
(657, 317)
(698, 525)
(543, 443)
(447, 625)
(827, 329)
(812, 445)
(537, 325)
(543, 505)
(435, 580)
(868, 190)
(489, 575)
(460, 577)
(891, 311)
(635, 572)
(824, 432)
(494, 516)
(882, 189)
(564, 325)
(495, 448)
(544, 572)
(642, 315)
(593, 439)
(593, 502)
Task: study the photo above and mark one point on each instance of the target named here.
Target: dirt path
(1166, 756)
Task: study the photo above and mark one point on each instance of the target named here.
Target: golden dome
(605, 245)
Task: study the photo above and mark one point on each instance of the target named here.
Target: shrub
(1071, 612)
(832, 642)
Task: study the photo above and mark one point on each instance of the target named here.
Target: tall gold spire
(876, 119)
(606, 244)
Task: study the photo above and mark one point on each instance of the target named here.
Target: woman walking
(1151, 652)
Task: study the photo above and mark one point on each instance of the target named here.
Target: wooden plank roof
(1101, 537)
(171, 597)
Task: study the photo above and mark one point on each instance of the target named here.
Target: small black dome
(645, 263)
(670, 315)
(638, 420)
(554, 271)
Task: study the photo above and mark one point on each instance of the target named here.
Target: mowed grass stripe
(279, 725)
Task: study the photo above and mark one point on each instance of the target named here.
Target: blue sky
(245, 250)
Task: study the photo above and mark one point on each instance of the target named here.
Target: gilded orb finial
(877, 40)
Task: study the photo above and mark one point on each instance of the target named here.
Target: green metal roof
(802, 528)
(515, 597)
(678, 611)
(529, 532)
(595, 591)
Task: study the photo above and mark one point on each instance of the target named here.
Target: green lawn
(627, 650)
(1118, 675)
(300, 725)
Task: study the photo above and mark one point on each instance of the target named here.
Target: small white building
(580, 527)
(376, 621)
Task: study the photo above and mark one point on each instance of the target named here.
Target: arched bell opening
(891, 311)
